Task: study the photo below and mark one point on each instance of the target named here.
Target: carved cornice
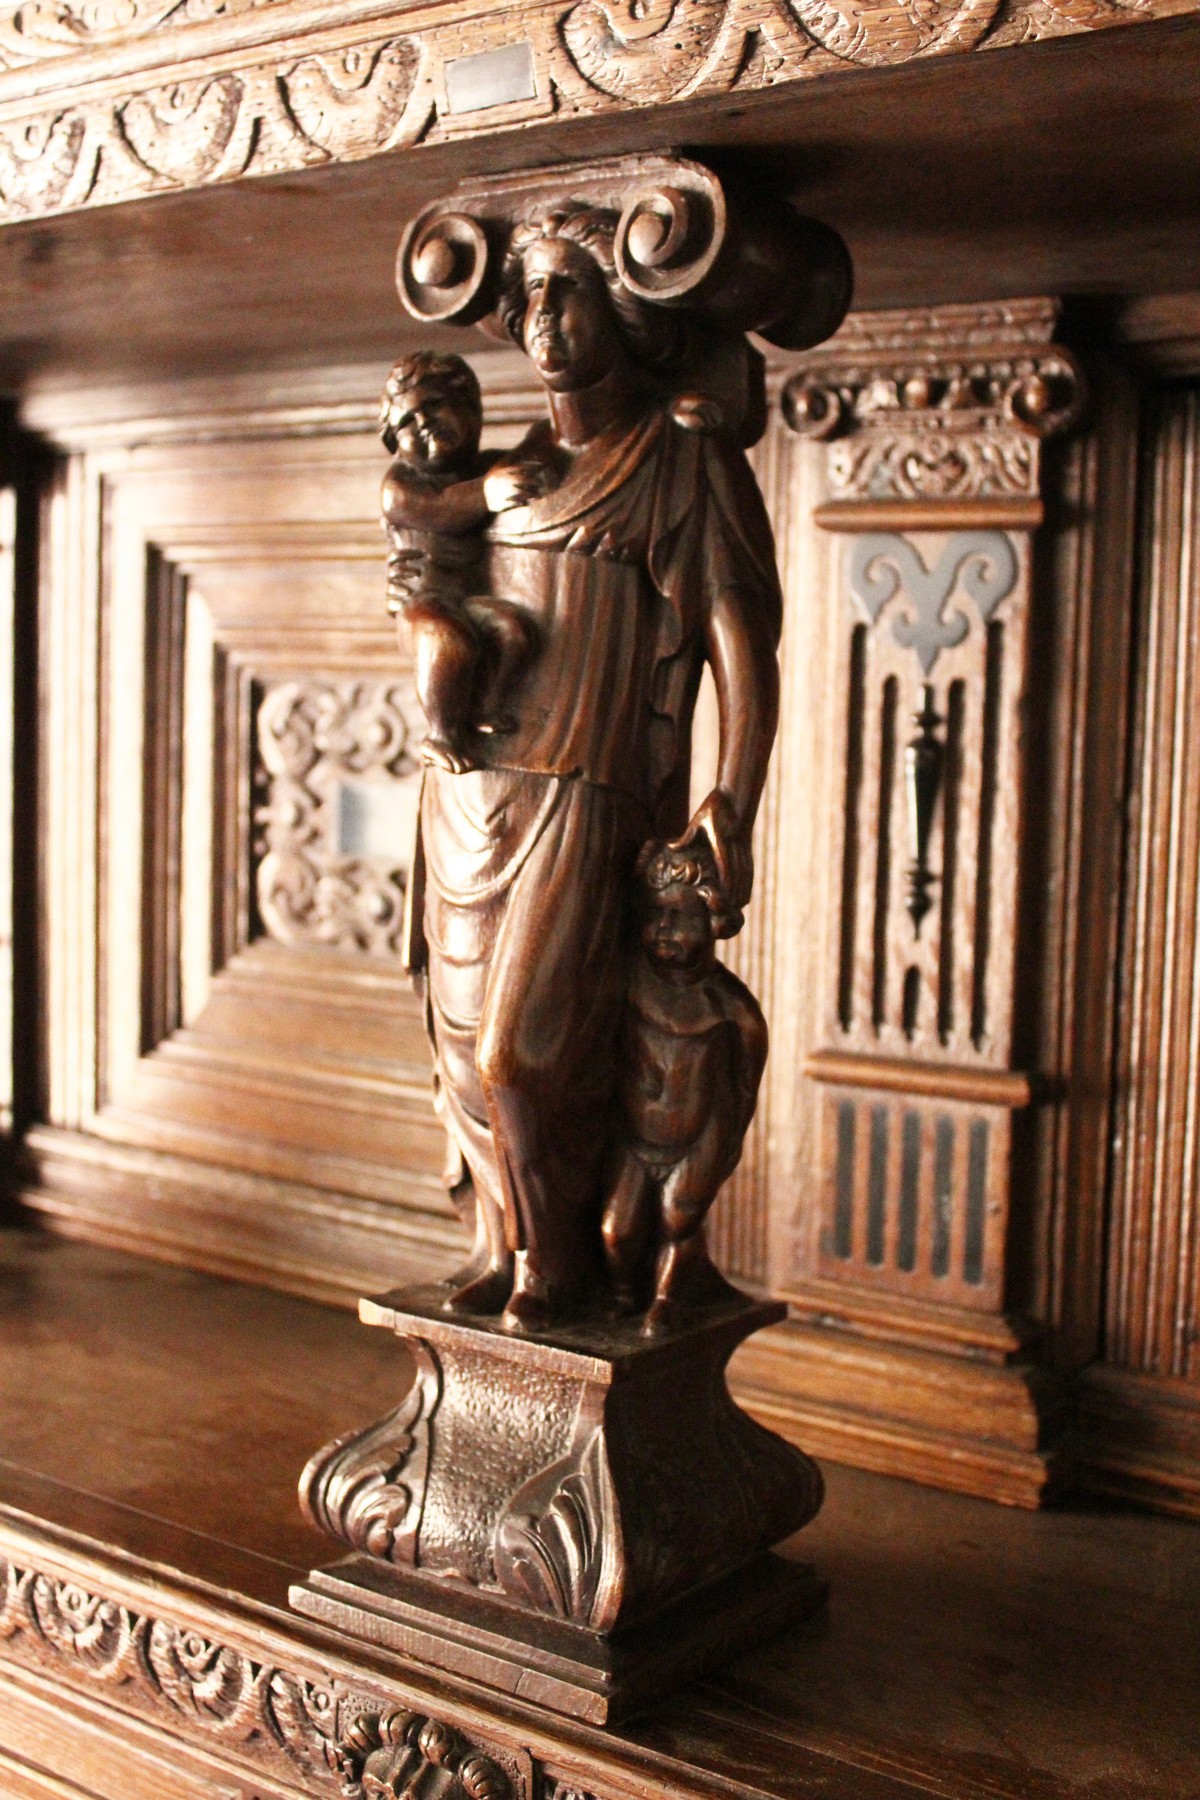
(940, 407)
(106, 100)
(267, 1716)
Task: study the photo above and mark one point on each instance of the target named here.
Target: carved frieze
(242, 110)
(356, 1744)
(320, 746)
(909, 417)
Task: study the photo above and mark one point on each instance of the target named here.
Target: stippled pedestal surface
(576, 1518)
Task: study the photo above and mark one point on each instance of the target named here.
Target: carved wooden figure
(694, 1047)
(435, 502)
(595, 1097)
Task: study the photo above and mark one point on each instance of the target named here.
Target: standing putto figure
(694, 1049)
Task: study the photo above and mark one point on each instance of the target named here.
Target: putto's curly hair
(652, 336)
(662, 866)
(424, 366)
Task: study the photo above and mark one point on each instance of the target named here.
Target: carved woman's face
(570, 330)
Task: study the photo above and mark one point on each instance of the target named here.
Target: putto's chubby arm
(413, 503)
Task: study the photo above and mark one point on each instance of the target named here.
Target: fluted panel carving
(1154, 1261)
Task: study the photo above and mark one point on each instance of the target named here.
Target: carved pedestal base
(580, 1521)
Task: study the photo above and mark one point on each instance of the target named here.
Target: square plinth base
(563, 1667)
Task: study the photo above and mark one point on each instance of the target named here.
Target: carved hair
(652, 337)
(423, 367)
(661, 867)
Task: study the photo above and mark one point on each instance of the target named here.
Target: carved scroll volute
(442, 269)
(750, 263)
(685, 238)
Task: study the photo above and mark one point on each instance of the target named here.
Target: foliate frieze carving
(352, 1743)
(337, 105)
(316, 742)
(921, 427)
(252, 113)
(166, 1668)
(881, 36)
(41, 29)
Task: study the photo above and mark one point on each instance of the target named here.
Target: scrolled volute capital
(685, 237)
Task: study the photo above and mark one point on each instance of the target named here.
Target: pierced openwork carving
(319, 744)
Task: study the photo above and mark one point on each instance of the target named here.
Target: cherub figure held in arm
(694, 1052)
(438, 494)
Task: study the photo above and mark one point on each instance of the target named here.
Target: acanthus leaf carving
(368, 1487)
(557, 1534)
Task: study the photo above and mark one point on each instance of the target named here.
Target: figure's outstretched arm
(414, 505)
(739, 641)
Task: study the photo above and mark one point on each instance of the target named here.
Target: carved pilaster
(933, 428)
(920, 470)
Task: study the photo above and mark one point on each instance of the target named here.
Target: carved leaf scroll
(550, 1544)
(892, 33)
(311, 736)
(884, 565)
(644, 50)
(182, 131)
(354, 98)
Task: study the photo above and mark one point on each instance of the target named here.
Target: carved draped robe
(522, 880)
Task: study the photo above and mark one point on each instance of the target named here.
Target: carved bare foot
(534, 1304)
(686, 1278)
(483, 1294)
(444, 753)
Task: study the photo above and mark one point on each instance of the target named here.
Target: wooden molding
(991, 1087)
(173, 98)
(976, 1429)
(1137, 1436)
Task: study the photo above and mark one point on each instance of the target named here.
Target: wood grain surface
(970, 1653)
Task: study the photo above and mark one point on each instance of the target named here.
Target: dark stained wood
(969, 1652)
(1067, 166)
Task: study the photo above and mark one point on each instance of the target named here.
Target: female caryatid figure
(644, 552)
